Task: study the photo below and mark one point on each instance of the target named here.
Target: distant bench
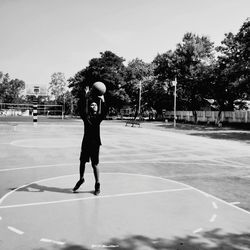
(133, 123)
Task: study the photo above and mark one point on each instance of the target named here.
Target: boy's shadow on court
(34, 187)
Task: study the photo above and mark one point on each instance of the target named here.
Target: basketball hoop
(174, 82)
(36, 90)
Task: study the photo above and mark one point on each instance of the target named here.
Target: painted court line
(157, 160)
(212, 219)
(222, 201)
(104, 246)
(233, 162)
(215, 205)
(96, 197)
(200, 191)
(149, 176)
(15, 230)
(198, 230)
(230, 163)
(38, 166)
(25, 185)
(104, 162)
(235, 203)
(52, 241)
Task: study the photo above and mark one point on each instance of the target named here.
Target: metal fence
(238, 116)
(10, 109)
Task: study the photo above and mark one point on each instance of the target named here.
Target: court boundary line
(135, 174)
(202, 192)
(22, 145)
(37, 166)
(96, 197)
(214, 162)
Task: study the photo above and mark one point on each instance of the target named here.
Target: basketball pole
(139, 106)
(35, 104)
(175, 84)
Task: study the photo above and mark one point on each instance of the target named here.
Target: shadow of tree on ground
(210, 240)
(238, 136)
(226, 133)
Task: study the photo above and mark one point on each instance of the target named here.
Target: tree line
(204, 73)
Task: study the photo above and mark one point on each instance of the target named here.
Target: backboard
(36, 90)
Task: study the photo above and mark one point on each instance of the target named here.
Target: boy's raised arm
(84, 98)
(102, 107)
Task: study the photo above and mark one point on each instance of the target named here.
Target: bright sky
(40, 37)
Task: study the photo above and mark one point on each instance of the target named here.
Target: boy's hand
(102, 98)
(87, 92)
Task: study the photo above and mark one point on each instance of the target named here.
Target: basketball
(99, 88)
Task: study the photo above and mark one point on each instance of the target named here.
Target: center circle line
(134, 174)
(96, 197)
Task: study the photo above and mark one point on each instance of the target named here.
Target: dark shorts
(90, 152)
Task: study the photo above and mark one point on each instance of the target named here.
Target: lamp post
(63, 106)
(139, 106)
(174, 84)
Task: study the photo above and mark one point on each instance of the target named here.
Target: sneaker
(78, 184)
(97, 188)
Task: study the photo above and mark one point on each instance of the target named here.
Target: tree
(165, 71)
(233, 68)
(59, 89)
(67, 101)
(10, 89)
(193, 57)
(58, 85)
(109, 69)
(243, 56)
(189, 64)
(137, 78)
(165, 67)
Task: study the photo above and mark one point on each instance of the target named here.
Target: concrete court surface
(151, 197)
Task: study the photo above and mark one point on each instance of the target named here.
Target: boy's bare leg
(81, 180)
(97, 180)
(96, 172)
(82, 169)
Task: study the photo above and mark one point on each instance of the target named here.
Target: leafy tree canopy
(10, 89)
(58, 84)
(110, 70)
(187, 64)
(232, 80)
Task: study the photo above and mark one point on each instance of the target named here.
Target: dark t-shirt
(92, 129)
(92, 125)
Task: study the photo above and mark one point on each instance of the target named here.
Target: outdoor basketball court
(159, 190)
